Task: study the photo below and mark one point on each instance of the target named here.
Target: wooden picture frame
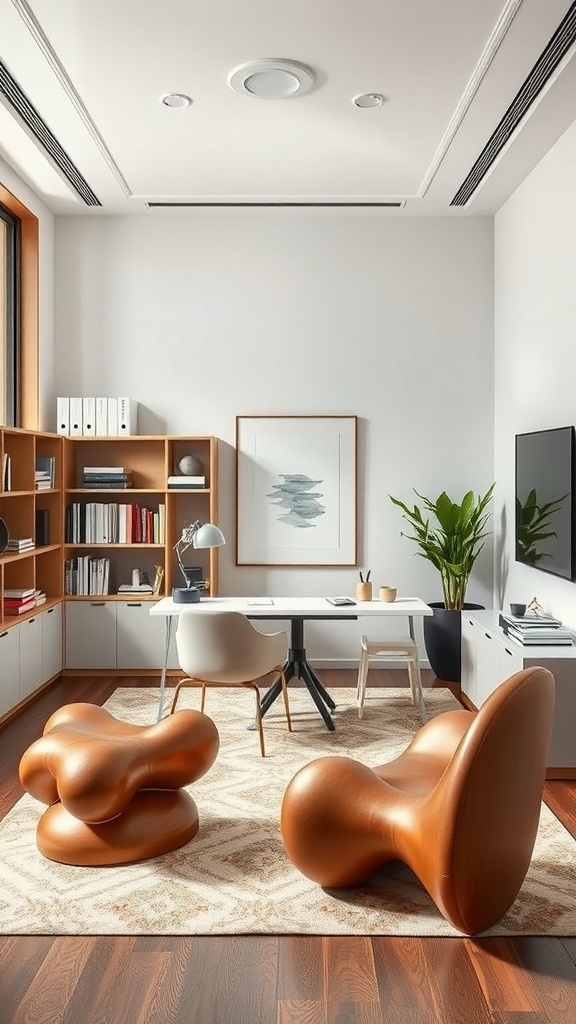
(296, 490)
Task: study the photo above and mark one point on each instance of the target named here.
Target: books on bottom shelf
(86, 576)
(17, 602)
(26, 544)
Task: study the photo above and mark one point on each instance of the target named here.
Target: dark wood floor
(274, 979)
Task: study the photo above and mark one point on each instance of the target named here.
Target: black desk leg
(297, 666)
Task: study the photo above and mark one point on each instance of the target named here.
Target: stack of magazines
(536, 629)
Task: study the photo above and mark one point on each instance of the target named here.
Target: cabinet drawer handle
(49, 612)
(30, 620)
(5, 633)
(508, 652)
(134, 604)
(488, 637)
(97, 604)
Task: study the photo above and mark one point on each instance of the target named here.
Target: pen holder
(363, 591)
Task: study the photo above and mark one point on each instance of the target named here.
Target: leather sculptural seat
(460, 806)
(114, 789)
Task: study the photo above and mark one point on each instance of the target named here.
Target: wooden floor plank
(274, 979)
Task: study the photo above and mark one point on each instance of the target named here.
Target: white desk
(297, 610)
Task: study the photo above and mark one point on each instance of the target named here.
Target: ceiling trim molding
(51, 57)
(554, 55)
(37, 128)
(495, 40)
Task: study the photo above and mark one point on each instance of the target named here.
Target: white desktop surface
(295, 606)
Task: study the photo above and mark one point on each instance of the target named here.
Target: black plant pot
(443, 639)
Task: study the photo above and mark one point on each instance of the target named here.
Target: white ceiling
(448, 69)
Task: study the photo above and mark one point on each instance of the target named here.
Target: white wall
(535, 324)
(203, 316)
(18, 188)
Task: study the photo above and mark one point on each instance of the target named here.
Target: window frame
(28, 349)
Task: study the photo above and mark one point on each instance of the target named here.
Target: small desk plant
(450, 535)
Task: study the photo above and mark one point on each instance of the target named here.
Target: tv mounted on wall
(545, 500)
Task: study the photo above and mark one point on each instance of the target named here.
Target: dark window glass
(9, 318)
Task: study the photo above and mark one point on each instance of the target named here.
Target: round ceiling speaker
(272, 79)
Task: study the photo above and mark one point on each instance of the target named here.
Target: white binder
(112, 416)
(127, 416)
(75, 416)
(101, 417)
(63, 415)
(89, 416)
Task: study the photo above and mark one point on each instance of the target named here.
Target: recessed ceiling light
(368, 99)
(271, 79)
(175, 99)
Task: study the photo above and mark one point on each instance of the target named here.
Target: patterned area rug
(234, 877)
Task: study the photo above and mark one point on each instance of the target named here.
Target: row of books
(101, 417)
(85, 576)
(21, 600)
(93, 522)
(535, 630)
(112, 477)
(44, 472)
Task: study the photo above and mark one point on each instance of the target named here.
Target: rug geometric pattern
(234, 876)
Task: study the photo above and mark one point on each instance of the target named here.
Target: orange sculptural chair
(114, 789)
(460, 806)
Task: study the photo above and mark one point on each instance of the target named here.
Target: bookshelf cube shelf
(149, 461)
(42, 475)
(36, 567)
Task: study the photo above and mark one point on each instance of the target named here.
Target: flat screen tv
(545, 500)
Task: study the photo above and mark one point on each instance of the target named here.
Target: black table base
(297, 666)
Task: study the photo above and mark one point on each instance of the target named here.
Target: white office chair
(401, 649)
(219, 648)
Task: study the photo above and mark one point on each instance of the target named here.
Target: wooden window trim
(29, 289)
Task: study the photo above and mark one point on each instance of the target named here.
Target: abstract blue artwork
(301, 503)
(296, 490)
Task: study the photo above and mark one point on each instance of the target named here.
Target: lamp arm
(184, 542)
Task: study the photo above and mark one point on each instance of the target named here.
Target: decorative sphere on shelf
(189, 465)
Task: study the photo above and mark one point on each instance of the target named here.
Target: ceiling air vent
(177, 204)
(546, 64)
(30, 117)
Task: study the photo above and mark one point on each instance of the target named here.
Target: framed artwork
(296, 490)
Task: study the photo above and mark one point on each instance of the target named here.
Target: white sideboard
(489, 657)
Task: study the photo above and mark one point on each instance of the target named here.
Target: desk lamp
(194, 535)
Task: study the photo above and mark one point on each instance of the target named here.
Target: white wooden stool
(401, 649)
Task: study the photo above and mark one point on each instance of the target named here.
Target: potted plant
(450, 535)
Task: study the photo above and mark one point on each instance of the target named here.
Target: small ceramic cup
(388, 593)
(518, 610)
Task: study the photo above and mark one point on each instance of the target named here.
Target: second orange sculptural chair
(460, 806)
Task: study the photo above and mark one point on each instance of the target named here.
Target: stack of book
(16, 602)
(185, 483)
(533, 630)
(111, 477)
(45, 473)
(15, 545)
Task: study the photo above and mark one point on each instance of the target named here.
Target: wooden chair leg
(185, 682)
(203, 697)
